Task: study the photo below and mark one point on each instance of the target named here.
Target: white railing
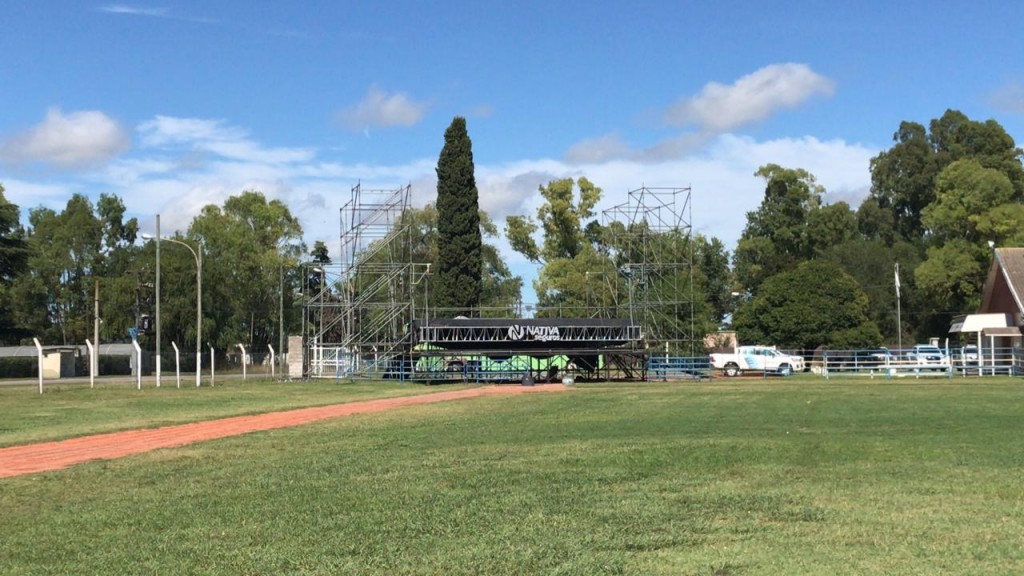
(895, 363)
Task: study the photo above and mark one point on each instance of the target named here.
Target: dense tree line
(55, 270)
(940, 198)
(805, 272)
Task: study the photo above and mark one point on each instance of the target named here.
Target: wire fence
(73, 361)
(336, 363)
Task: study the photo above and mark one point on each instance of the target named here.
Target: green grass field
(798, 476)
(67, 410)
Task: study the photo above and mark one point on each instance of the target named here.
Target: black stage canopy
(526, 335)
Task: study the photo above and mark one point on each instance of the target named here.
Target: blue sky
(175, 105)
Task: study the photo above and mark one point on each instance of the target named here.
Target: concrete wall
(295, 356)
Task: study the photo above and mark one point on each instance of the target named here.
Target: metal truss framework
(361, 305)
(655, 246)
(360, 312)
(497, 336)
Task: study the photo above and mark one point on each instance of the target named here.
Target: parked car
(868, 358)
(969, 355)
(927, 354)
(757, 359)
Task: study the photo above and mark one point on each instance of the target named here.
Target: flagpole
(899, 320)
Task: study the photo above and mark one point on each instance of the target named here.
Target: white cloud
(601, 149)
(752, 98)
(134, 10)
(166, 130)
(215, 137)
(717, 109)
(185, 164)
(380, 109)
(152, 12)
(610, 147)
(73, 140)
(504, 194)
(481, 111)
(27, 195)
(1009, 98)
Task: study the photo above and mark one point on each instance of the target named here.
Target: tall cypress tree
(457, 286)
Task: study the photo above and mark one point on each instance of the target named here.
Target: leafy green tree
(246, 245)
(500, 289)
(123, 279)
(904, 178)
(13, 251)
(457, 283)
(815, 304)
(567, 205)
(871, 262)
(973, 205)
(116, 231)
(875, 222)
(789, 227)
(954, 136)
(949, 277)
(714, 277)
(967, 193)
(587, 285)
(319, 253)
(949, 190)
(1003, 223)
(830, 225)
(68, 253)
(567, 256)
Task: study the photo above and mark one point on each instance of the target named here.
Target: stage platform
(506, 348)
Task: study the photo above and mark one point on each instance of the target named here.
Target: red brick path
(46, 456)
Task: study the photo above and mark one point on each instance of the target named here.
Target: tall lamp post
(199, 296)
(280, 321)
(319, 340)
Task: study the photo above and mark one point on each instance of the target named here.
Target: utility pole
(95, 360)
(280, 317)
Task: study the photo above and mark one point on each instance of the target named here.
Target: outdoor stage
(511, 348)
(370, 312)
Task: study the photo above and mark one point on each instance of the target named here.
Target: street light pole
(158, 361)
(280, 320)
(198, 256)
(319, 340)
(199, 312)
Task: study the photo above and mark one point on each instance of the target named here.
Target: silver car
(969, 355)
(926, 354)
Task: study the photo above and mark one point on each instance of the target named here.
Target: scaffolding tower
(654, 249)
(357, 310)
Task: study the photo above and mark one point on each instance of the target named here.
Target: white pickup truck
(757, 359)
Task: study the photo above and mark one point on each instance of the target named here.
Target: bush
(109, 365)
(19, 367)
